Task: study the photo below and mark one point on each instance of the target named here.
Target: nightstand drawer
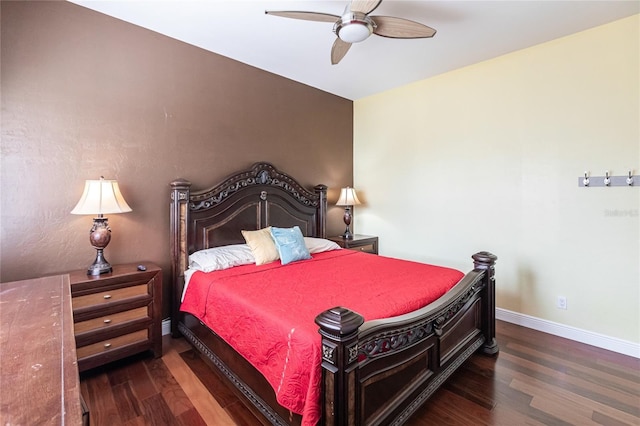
(110, 321)
(369, 248)
(363, 243)
(112, 344)
(96, 299)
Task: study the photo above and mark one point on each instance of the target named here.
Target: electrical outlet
(561, 303)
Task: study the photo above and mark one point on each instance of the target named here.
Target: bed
(371, 372)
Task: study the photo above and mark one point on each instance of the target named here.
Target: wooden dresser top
(38, 368)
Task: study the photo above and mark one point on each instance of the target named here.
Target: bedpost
(321, 225)
(486, 261)
(179, 250)
(339, 330)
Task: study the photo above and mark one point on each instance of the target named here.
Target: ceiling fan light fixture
(354, 27)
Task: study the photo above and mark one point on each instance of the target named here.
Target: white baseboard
(561, 330)
(166, 326)
(572, 333)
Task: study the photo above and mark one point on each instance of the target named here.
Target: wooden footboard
(380, 372)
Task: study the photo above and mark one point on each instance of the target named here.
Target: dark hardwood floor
(537, 379)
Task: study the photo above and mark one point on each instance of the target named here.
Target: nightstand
(117, 314)
(364, 243)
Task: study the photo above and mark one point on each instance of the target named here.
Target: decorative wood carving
(261, 174)
(455, 307)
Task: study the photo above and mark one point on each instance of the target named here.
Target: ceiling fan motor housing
(354, 27)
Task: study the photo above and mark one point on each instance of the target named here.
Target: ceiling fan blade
(305, 16)
(389, 26)
(364, 6)
(339, 49)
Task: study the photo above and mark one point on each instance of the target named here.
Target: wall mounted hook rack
(608, 180)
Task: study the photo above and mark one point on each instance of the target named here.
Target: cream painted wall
(488, 158)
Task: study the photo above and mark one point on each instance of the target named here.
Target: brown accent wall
(85, 95)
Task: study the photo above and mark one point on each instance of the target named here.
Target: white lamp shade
(101, 197)
(348, 197)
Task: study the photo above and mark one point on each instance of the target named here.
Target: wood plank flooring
(537, 379)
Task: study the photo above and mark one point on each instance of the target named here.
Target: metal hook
(630, 179)
(585, 181)
(607, 179)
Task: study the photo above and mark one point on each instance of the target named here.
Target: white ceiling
(467, 32)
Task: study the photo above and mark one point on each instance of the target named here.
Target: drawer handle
(107, 296)
(107, 321)
(107, 345)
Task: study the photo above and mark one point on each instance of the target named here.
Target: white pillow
(318, 245)
(223, 257)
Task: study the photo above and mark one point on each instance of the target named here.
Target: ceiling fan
(355, 25)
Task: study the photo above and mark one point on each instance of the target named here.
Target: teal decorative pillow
(290, 244)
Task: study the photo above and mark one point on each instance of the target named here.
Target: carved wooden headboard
(251, 199)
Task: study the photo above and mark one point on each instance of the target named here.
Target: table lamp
(348, 199)
(100, 197)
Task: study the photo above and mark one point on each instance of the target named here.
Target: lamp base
(100, 265)
(347, 234)
(347, 221)
(99, 237)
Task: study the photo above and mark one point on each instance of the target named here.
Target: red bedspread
(267, 312)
